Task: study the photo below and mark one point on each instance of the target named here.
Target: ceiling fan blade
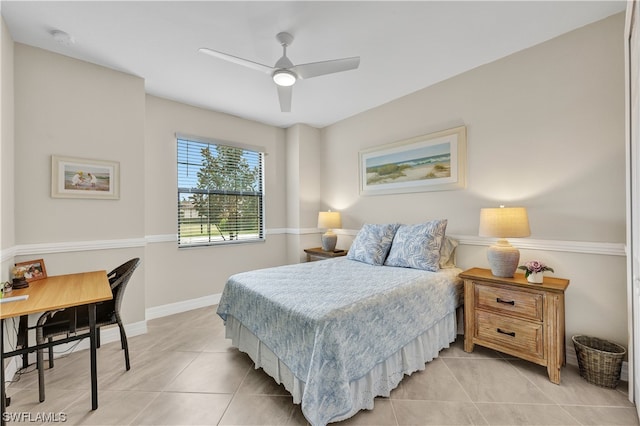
(239, 61)
(284, 94)
(316, 69)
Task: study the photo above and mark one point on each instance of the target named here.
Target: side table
(317, 253)
(516, 317)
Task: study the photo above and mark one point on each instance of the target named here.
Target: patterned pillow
(418, 246)
(372, 243)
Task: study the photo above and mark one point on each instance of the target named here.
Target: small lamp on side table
(504, 222)
(329, 221)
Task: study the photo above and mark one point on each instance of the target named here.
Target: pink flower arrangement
(534, 266)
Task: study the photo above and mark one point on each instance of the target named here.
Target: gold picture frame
(34, 269)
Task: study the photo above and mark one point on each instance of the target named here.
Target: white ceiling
(403, 46)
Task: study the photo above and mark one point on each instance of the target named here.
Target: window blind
(220, 194)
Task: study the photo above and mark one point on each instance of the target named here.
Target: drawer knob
(508, 333)
(506, 302)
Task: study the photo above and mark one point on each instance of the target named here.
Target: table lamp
(329, 220)
(503, 222)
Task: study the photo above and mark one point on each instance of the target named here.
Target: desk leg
(3, 394)
(94, 361)
(23, 338)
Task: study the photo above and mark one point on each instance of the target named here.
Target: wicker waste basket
(599, 361)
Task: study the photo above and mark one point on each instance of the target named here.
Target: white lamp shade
(329, 220)
(504, 222)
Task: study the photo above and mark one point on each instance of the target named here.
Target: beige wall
(72, 108)
(189, 273)
(545, 130)
(7, 219)
(303, 189)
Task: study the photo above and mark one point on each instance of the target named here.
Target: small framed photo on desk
(33, 269)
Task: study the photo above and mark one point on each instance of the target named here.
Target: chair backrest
(119, 277)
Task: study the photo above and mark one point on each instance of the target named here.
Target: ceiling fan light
(284, 78)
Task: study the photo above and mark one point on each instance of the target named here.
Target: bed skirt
(379, 381)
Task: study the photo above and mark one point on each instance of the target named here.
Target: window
(220, 193)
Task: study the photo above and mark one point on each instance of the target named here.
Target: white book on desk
(13, 298)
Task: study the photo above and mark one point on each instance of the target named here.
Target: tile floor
(184, 372)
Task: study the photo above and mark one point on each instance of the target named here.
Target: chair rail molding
(585, 247)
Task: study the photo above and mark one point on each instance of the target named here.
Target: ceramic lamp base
(503, 259)
(329, 240)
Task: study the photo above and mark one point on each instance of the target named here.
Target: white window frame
(206, 232)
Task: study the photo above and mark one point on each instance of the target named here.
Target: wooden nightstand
(513, 316)
(317, 253)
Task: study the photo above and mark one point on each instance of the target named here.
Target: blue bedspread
(330, 322)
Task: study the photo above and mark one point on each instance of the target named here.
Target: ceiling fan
(284, 73)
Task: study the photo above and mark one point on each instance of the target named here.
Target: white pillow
(448, 253)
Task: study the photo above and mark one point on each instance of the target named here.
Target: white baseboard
(183, 306)
(112, 334)
(107, 335)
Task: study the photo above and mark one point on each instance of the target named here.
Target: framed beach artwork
(434, 162)
(82, 178)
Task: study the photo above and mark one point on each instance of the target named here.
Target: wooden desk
(57, 292)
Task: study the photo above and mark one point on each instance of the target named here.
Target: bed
(337, 333)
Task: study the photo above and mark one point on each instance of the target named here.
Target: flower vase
(535, 277)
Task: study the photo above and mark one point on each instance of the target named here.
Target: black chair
(72, 320)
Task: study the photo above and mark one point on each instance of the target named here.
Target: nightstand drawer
(517, 334)
(514, 302)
